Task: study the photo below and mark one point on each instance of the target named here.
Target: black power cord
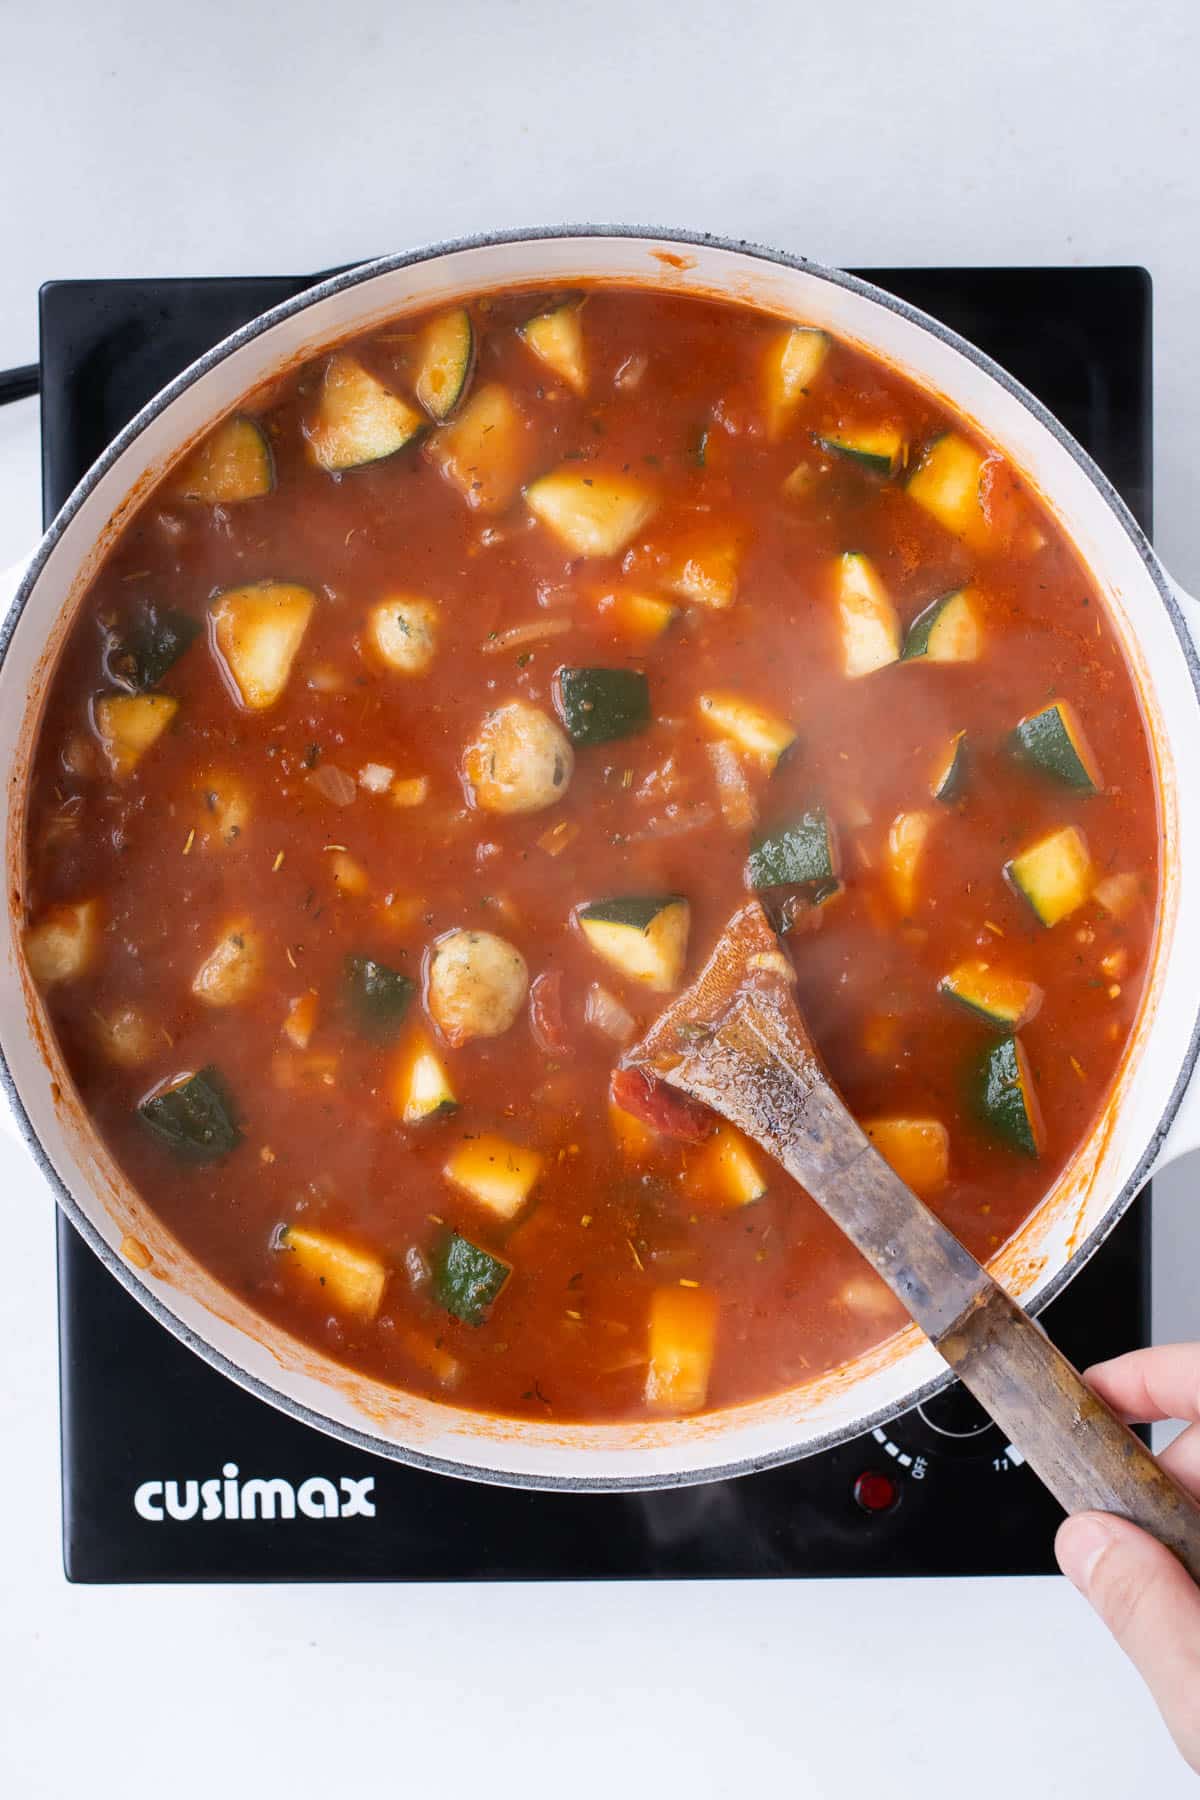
(18, 384)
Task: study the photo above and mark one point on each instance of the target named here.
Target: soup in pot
(416, 739)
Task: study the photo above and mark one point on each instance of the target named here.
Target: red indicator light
(875, 1492)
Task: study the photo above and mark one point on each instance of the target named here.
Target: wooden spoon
(736, 1041)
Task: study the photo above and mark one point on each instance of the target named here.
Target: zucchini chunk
(467, 1279)
(947, 483)
(476, 985)
(234, 463)
(258, 631)
(63, 943)
(800, 853)
(946, 631)
(557, 339)
(870, 624)
(950, 777)
(193, 1117)
(879, 449)
(593, 515)
(598, 705)
(1005, 1001)
(231, 969)
(918, 1150)
(726, 1167)
(421, 1087)
(446, 352)
(1005, 1097)
(498, 1174)
(352, 1279)
(706, 573)
(484, 450)
(376, 997)
(520, 760)
(403, 632)
(645, 937)
(792, 364)
(152, 642)
(128, 724)
(358, 420)
(1054, 741)
(642, 617)
(905, 847)
(759, 733)
(1054, 875)
(683, 1337)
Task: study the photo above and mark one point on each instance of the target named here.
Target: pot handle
(1183, 1135)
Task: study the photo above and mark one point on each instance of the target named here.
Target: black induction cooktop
(171, 1473)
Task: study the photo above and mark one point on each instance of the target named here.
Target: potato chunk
(228, 974)
(683, 1334)
(495, 1172)
(520, 762)
(125, 1035)
(484, 450)
(224, 807)
(476, 985)
(258, 632)
(63, 943)
(593, 514)
(351, 1279)
(403, 632)
(127, 725)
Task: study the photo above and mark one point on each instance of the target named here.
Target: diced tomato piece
(546, 1018)
(672, 1114)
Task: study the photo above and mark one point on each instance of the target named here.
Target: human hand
(1147, 1600)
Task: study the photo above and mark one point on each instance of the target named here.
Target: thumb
(1151, 1606)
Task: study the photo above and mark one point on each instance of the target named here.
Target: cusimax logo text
(224, 1496)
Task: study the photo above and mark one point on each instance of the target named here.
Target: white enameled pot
(1147, 1120)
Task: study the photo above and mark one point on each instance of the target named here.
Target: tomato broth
(415, 741)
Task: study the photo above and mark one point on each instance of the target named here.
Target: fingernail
(1080, 1544)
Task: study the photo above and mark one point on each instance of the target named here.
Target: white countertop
(144, 139)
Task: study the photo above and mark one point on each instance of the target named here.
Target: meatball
(476, 986)
(520, 762)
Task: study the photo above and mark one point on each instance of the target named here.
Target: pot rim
(355, 276)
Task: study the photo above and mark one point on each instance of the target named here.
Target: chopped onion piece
(333, 784)
(375, 777)
(733, 790)
(631, 370)
(551, 626)
(605, 1012)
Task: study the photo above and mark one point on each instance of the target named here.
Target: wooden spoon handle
(1087, 1457)
(758, 1069)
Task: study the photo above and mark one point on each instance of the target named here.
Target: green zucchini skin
(153, 641)
(195, 1119)
(916, 639)
(795, 854)
(376, 997)
(1001, 1100)
(951, 784)
(637, 911)
(598, 705)
(870, 460)
(466, 1279)
(1045, 740)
